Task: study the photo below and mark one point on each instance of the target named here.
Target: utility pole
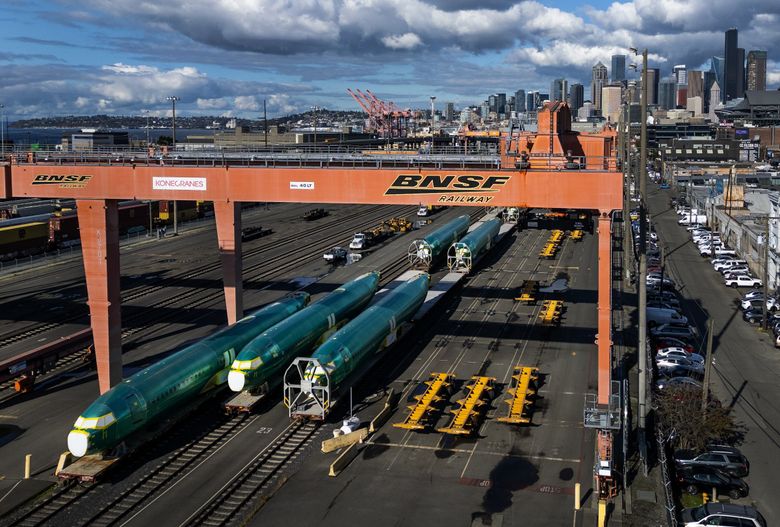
(265, 124)
(642, 358)
(173, 100)
(2, 132)
(765, 278)
(707, 368)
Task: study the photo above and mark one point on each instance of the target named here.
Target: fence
(669, 502)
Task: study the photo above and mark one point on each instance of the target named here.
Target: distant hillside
(182, 121)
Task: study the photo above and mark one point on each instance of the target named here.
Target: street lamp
(173, 100)
(314, 110)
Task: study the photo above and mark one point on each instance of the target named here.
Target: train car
(349, 352)
(463, 255)
(23, 239)
(186, 210)
(172, 383)
(260, 364)
(422, 253)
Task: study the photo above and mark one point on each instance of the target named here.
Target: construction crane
(384, 118)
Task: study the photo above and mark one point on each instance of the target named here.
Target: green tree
(165, 140)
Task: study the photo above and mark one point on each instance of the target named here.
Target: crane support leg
(604, 308)
(99, 230)
(228, 217)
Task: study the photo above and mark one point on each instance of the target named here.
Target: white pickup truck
(743, 281)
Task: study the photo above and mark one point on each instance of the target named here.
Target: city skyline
(225, 58)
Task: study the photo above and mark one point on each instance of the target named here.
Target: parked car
(716, 513)
(771, 303)
(655, 280)
(726, 458)
(737, 271)
(665, 382)
(753, 293)
(742, 281)
(754, 315)
(679, 352)
(670, 361)
(664, 305)
(671, 330)
(703, 479)
(657, 316)
(671, 342)
(728, 264)
(680, 368)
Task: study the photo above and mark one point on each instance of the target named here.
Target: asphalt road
(747, 366)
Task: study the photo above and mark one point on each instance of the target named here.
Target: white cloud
(405, 41)
(211, 104)
(246, 102)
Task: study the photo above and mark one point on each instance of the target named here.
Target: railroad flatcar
(165, 388)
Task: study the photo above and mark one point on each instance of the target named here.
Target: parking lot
(745, 362)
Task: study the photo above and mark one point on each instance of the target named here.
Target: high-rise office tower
(599, 78)
(449, 111)
(730, 71)
(618, 68)
(611, 96)
(653, 76)
(501, 104)
(756, 70)
(530, 101)
(717, 66)
(740, 72)
(667, 93)
(680, 74)
(559, 89)
(709, 79)
(576, 97)
(695, 84)
(520, 101)
(492, 104)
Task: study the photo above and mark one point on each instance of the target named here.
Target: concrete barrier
(384, 414)
(335, 443)
(344, 459)
(62, 463)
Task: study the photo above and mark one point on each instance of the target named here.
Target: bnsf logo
(55, 179)
(419, 184)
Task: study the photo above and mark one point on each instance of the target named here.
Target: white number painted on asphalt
(264, 430)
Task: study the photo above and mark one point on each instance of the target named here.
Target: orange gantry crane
(553, 168)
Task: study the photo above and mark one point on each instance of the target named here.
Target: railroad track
(175, 467)
(246, 491)
(267, 268)
(365, 218)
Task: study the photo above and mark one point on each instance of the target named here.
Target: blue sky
(224, 57)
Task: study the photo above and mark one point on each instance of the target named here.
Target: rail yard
(448, 358)
(481, 331)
